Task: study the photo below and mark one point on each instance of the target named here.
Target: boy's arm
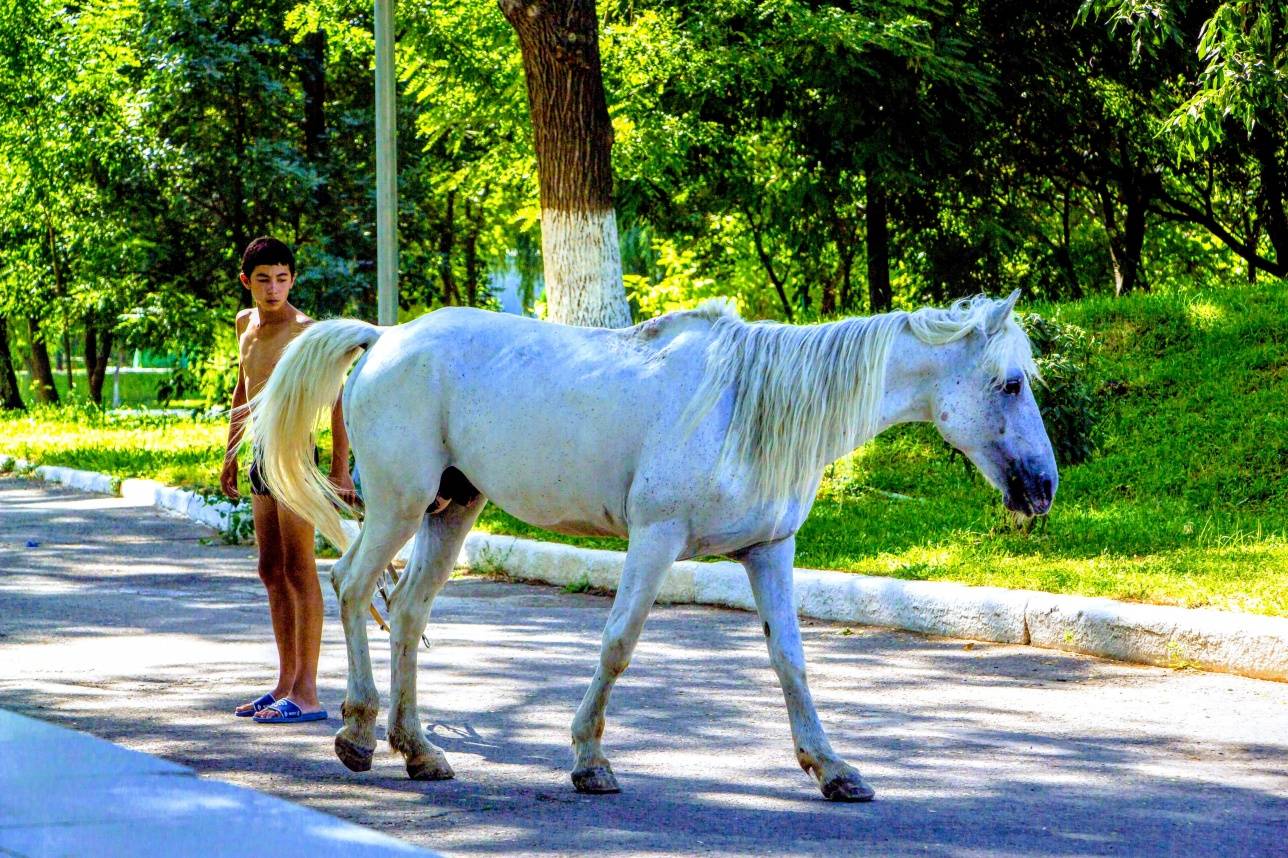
(340, 478)
(236, 428)
(237, 417)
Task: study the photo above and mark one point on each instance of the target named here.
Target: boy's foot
(285, 711)
(257, 705)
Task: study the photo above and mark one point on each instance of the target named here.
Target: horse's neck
(912, 370)
(911, 374)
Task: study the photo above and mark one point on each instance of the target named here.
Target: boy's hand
(343, 485)
(228, 480)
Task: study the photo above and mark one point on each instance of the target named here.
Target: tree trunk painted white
(116, 381)
(583, 269)
(573, 138)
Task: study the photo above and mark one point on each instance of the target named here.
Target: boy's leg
(272, 572)
(299, 572)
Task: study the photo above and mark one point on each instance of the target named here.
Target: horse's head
(983, 405)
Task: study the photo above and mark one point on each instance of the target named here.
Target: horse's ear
(1000, 313)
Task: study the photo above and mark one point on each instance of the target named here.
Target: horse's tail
(305, 384)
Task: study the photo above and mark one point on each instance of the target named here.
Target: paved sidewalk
(1246, 644)
(122, 624)
(64, 793)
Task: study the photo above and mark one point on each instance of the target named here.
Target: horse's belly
(558, 515)
(552, 491)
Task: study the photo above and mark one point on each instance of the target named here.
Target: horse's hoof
(847, 787)
(354, 757)
(595, 780)
(429, 770)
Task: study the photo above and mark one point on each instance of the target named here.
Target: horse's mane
(805, 394)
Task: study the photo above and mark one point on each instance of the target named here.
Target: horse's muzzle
(1029, 490)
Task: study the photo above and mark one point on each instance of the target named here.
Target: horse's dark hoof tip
(595, 780)
(847, 788)
(354, 757)
(430, 770)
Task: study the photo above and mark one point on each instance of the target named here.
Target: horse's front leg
(769, 567)
(651, 552)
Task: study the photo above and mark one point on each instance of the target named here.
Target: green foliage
(1066, 393)
(1185, 501)
(211, 379)
(581, 585)
(181, 451)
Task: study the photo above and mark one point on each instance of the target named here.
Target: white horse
(691, 434)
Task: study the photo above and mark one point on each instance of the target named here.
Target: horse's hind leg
(769, 567)
(390, 521)
(438, 544)
(652, 551)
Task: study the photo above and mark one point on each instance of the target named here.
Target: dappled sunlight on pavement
(149, 638)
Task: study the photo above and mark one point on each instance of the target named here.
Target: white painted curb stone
(1246, 644)
(87, 481)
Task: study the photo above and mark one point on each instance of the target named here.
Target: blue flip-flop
(288, 713)
(259, 704)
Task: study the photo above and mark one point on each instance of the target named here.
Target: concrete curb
(191, 505)
(1246, 644)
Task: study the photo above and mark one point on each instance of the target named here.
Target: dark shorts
(257, 484)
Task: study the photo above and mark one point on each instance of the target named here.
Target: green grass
(137, 388)
(1185, 503)
(179, 451)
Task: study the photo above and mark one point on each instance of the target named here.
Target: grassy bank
(138, 387)
(1185, 503)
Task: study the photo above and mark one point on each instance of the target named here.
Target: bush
(1066, 393)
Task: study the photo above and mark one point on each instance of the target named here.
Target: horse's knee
(353, 599)
(406, 618)
(615, 657)
(337, 576)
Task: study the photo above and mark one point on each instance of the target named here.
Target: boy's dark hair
(266, 250)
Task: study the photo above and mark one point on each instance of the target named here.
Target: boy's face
(269, 285)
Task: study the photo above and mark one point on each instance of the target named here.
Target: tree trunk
(573, 138)
(767, 262)
(472, 272)
(97, 351)
(827, 300)
(1125, 245)
(312, 75)
(1064, 255)
(880, 298)
(239, 225)
(42, 374)
(446, 239)
(1266, 147)
(844, 236)
(67, 350)
(10, 396)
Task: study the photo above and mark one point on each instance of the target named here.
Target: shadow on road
(122, 624)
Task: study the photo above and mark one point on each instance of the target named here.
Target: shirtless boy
(286, 562)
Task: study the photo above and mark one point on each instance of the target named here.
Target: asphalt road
(121, 622)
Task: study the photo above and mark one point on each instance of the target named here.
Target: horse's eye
(1011, 387)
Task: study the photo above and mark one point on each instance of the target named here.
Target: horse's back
(550, 421)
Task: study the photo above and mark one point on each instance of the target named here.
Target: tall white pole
(386, 169)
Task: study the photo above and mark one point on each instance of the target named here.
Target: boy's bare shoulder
(243, 318)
